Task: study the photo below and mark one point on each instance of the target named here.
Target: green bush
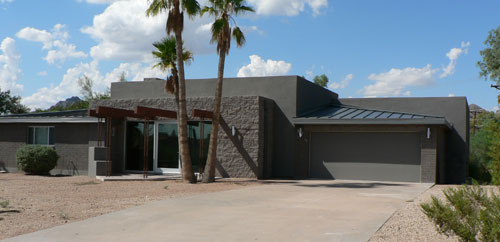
(494, 165)
(470, 212)
(485, 149)
(35, 159)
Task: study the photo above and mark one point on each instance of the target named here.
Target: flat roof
(72, 116)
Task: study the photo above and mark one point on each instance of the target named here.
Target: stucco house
(272, 127)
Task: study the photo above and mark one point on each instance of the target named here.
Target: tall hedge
(35, 159)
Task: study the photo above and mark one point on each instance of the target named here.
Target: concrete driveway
(310, 210)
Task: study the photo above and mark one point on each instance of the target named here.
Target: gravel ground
(38, 202)
(411, 224)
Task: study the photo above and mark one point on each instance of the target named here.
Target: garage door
(365, 156)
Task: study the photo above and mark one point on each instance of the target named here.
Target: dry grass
(39, 202)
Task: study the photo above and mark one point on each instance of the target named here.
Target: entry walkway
(309, 210)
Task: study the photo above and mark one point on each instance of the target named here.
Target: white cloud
(287, 7)
(495, 109)
(341, 84)
(395, 81)
(10, 72)
(125, 33)
(42, 73)
(451, 95)
(453, 55)
(48, 96)
(260, 67)
(6, 1)
(54, 41)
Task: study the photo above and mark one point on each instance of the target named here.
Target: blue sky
(366, 48)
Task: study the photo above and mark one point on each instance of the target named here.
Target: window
(41, 135)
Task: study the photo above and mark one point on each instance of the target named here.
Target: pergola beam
(152, 113)
(198, 113)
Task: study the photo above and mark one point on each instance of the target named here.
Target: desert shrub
(35, 159)
(470, 212)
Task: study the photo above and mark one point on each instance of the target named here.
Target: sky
(367, 48)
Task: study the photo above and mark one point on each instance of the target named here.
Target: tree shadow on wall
(237, 140)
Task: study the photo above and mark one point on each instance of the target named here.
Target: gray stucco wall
(71, 143)
(292, 94)
(241, 155)
(454, 109)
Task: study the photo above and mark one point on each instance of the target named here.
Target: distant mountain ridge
(66, 103)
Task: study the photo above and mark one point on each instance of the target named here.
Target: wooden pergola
(107, 114)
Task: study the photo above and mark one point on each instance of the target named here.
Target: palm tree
(175, 23)
(167, 61)
(222, 31)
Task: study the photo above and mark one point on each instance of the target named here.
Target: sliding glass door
(134, 149)
(167, 148)
(163, 156)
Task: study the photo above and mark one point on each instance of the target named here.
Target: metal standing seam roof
(341, 114)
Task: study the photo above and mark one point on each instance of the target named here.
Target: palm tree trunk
(186, 165)
(209, 175)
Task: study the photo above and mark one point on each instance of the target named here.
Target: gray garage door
(365, 156)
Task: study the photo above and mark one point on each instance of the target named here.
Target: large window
(41, 135)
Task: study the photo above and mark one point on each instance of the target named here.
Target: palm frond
(242, 9)
(210, 10)
(192, 7)
(188, 56)
(239, 37)
(217, 28)
(157, 6)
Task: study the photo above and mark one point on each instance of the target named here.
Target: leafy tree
(11, 104)
(490, 65)
(222, 31)
(87, 90)
(480, 143)
(470, 212)
(321, 80)
(494, 152)
(484, 162)
(123, 77)
(175, 23)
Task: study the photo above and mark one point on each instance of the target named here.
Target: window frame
(49, 134)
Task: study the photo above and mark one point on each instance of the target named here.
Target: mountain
(63, 105)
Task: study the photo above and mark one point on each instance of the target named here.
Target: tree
(87, 90)
(321, 80)
(222, 31)
(175, 24)
(482, 145)
(166, 55)
(490, 66)
(123, 78)
(11, 104)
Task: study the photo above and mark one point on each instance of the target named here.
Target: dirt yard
(411, 224)
(31, 203)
